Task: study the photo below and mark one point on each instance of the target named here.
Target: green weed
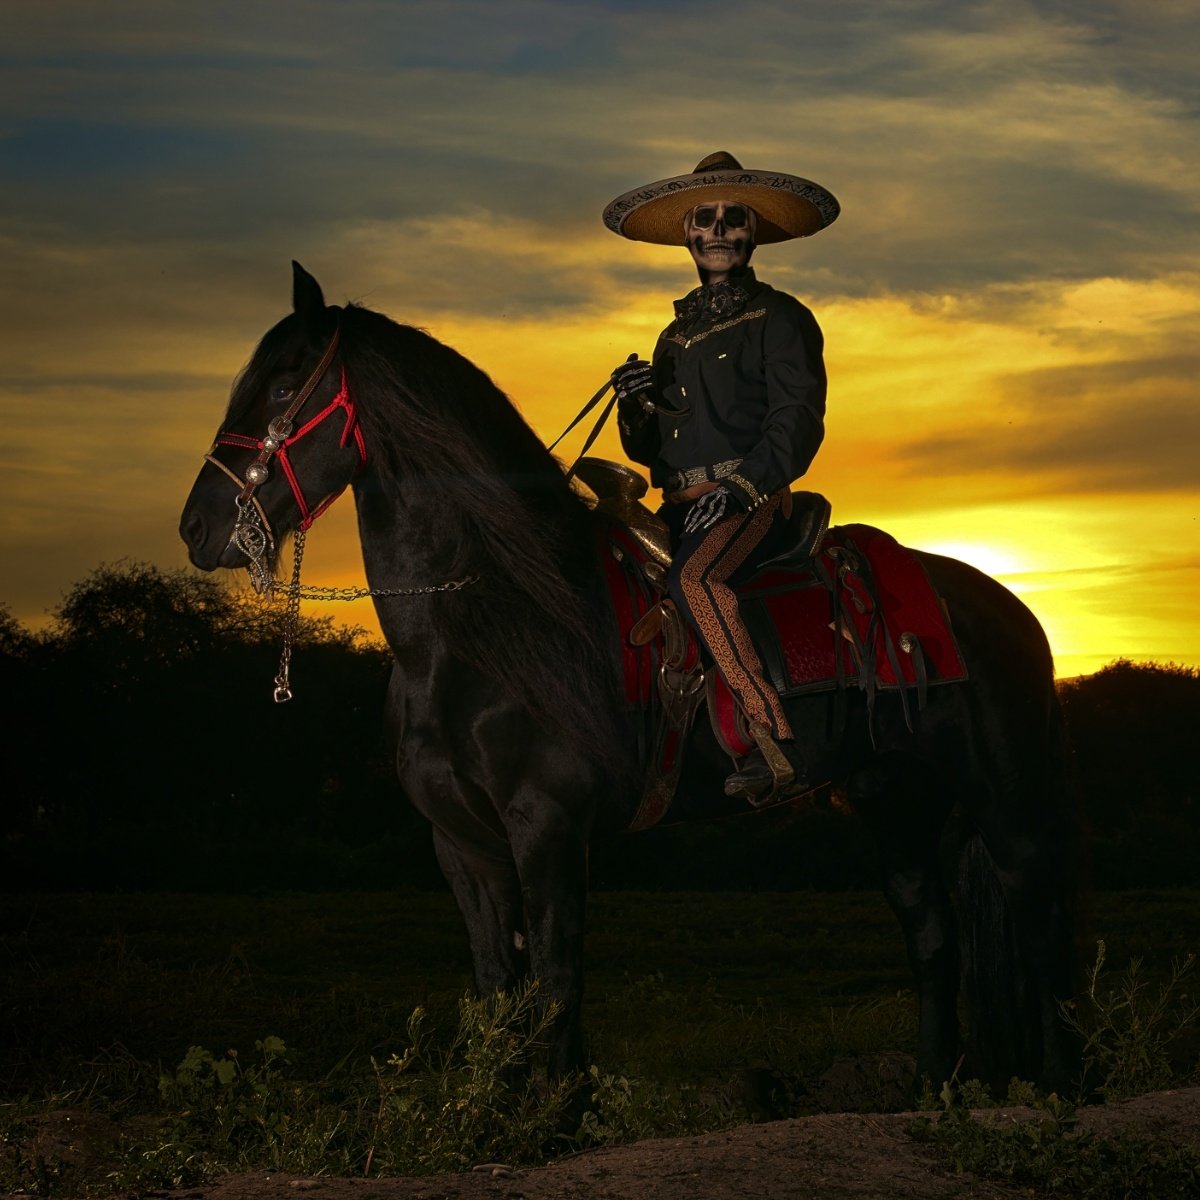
(627, 1109)
(1131, 1029)
(437, 1105)
(1049, 1156)
(721, 1008)
(480, 1099)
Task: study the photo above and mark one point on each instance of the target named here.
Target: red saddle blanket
(862, 613)
(892, 621)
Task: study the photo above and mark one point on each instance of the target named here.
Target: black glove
(709, 509)
(632, 377)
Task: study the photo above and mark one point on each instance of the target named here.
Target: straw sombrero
(787, 206)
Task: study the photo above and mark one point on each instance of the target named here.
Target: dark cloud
(1096, 428)
(967, 142)
(110, 384)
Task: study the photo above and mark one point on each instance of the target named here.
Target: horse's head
(289, 444)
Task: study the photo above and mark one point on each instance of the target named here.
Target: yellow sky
(1010, 297)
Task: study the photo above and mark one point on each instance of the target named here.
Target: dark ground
(835, 1156)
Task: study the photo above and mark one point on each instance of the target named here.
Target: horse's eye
(282, 392)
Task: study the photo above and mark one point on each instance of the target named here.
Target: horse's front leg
(549, 843)
(489, 897)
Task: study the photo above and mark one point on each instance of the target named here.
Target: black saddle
(808, 525)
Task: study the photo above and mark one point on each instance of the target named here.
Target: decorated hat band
(786, 205)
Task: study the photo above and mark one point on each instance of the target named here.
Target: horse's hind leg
(898, 797)
(489, 898)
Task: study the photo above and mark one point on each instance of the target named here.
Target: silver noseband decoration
(254, 540)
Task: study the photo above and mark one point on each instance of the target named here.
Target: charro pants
(704, 569)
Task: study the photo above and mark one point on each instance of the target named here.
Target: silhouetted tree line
(143, 749)
(1135, 741)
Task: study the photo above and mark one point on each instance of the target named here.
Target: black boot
(773, 770)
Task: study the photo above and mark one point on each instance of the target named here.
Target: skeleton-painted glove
(709, 509)
(633, 377)
(633, 381)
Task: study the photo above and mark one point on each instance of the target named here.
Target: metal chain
(315, 591)
(295, 591)
(291, 618)
(254, 541)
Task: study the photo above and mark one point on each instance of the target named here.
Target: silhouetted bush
(1133, 734)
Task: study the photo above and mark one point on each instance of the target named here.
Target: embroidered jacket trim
(755, 496)
(685, 342)
(690, 476)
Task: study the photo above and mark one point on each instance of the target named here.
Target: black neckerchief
(712, 302)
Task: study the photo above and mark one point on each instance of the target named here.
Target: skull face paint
(720, 238)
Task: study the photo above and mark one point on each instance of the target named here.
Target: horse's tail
(1005, 992)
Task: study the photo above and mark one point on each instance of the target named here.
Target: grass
(326, 1032)
(669, 976)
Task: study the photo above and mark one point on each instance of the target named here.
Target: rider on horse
(729, 412)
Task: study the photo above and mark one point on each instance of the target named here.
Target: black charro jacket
(741, 396)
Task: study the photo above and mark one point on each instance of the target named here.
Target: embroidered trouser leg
(702, 569)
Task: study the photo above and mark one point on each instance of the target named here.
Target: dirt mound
(837, 1156)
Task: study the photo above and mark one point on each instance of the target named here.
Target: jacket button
(683, 391)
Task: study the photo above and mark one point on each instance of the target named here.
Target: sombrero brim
(787, 206)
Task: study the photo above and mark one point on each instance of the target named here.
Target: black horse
(511, 727)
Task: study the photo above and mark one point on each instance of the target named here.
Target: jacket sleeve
(794, 424)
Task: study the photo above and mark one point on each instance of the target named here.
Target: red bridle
(252, 534)
(280, 438)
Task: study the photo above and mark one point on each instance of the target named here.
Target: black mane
(533, 621)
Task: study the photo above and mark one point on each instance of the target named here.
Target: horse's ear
(307, 298)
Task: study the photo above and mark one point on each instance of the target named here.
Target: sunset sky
(1010, 299)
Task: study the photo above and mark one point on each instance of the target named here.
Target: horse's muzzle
(207, 548)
